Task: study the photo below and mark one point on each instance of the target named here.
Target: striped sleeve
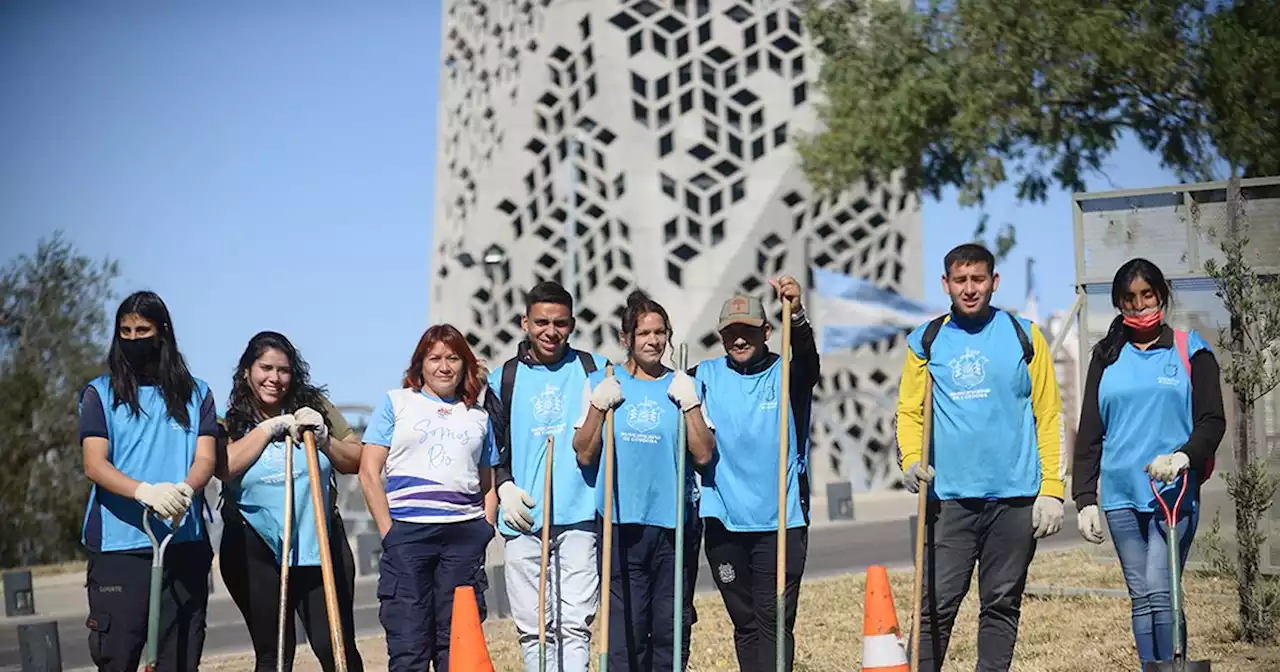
(1046, 404)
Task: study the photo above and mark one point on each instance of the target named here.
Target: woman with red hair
(433, 441)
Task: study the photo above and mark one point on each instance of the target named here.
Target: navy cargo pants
(421, 565)
(642, 594)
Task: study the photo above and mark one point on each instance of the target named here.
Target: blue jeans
(1140, 540)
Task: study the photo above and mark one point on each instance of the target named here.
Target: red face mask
(1145, 322)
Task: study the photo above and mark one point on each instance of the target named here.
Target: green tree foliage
(975, 93)
(1251, 367)
(53, 326)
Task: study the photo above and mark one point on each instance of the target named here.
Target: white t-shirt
(437, 448)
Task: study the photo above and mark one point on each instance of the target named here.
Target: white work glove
(607, 395)
(277, 426)
(307, 418)
(164, 498)
(915, 475)
(1090, 523)
(517, 506)
(1166, 468)
(683, 391)
(1046, 516)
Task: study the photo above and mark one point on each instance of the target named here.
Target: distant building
(677, 120)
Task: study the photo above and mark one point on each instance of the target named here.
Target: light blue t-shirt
(259, 495)
(984, 429)
(435, 450)
(1144, 401)
(645, 433)
(152, 448)
(740, 486)
(545, 401)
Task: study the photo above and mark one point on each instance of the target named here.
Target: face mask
(1145, 320)
(141, 352)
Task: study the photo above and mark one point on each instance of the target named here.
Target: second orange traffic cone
(882, 649)
(467, 650)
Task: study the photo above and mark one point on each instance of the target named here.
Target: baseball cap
(741, 309)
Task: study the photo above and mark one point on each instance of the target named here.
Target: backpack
(1180, 341)
(507, 390)
(931, 333)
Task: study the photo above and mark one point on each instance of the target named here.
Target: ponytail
(1108, 349)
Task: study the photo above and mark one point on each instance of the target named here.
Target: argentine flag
(850, 312)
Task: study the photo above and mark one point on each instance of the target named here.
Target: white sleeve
(586, 404)
(706, 417)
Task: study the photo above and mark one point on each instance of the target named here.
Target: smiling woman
(271, 397)
(433, 441)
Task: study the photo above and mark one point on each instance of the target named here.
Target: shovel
(1179, 662)
(157, 578)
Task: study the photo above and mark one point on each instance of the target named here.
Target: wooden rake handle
(326, 556)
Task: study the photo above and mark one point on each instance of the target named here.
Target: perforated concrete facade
(686, 185)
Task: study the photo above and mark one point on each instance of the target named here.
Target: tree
(53, 326)
(1251, 368)
(972, 94)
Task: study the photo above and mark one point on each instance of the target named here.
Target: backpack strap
(1180, 341)
(588, 362)
(505, 393)
(931, 333)
(1028, 351)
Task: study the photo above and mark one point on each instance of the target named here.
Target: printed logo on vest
(968, 371)
(548, 406)
(643, 418)
(1170, 376)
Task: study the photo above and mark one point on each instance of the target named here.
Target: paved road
(834, 549)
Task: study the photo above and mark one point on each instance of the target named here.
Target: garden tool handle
(1171, 515)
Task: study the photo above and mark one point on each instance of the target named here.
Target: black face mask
(141, 352)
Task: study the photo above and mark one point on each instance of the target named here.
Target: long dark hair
(243, 409)
(453, 339)
(171, 374)
(1108, 349)
(640, 304)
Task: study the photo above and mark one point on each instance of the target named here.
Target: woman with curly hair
(433, 441)
(148, 429)
(272, 396)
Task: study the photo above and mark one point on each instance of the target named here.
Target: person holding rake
(540, 390)
(148, 430)
(272, 402)
(984, 381)
(739, 499)
(649, 400)
(433, 441)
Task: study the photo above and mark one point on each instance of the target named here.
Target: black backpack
(931, 333)
(502, 429)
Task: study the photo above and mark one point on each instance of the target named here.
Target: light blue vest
(259, 495)
(151, 448)
(740, 486)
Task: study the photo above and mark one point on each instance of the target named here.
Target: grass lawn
(1057, 633)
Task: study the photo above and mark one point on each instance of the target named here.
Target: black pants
(252, 575)
(995, 534)
(422, 564)
(642, 594)
(119, 586)
(744, 565)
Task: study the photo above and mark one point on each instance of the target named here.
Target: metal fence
(1174, 228)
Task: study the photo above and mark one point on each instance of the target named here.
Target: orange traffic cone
(467, 650)
(882, 648)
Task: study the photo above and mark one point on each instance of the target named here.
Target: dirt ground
(1058, 634)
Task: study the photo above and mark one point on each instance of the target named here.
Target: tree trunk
(1248, 539)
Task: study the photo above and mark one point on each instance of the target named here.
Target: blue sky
(272, 166)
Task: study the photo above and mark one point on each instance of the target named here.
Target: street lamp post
(494, 258)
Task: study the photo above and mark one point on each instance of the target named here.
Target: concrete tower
(649, 144)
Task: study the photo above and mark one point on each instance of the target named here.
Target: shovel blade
(1177, 666)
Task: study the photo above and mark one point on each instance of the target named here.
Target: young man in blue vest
(996, 465)
(739, 487)
(540, 392)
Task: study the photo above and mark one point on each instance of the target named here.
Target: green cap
(741, 309)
